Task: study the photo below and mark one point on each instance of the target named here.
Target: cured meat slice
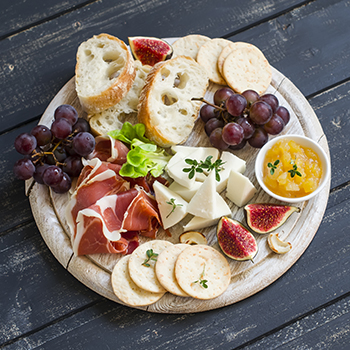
(110, 150)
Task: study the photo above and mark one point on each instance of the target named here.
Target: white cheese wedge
(185, 192)
(203, 203)
(232, 162)
(221, 209)
(188, 150)
(164, 195)
(239, 189)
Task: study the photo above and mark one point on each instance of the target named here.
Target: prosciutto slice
(109, 225)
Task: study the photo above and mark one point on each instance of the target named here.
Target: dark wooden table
(43, 306)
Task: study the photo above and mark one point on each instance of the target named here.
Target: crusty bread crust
(165, 106)
(103, 59)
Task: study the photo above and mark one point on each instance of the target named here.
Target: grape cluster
(54, 155)
(236, 119)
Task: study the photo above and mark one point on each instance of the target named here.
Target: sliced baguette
(113, 117)
(104, 72)
(166, 108)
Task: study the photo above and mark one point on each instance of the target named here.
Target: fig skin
(264, 217)
(150, 50)
(235, 240)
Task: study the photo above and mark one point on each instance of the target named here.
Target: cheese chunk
(239, 189)
(184, 192)
(221, 209)
(203, 203)
(188, 150)
(232, 162)
(163, 196)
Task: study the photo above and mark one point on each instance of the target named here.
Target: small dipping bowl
(305, 142)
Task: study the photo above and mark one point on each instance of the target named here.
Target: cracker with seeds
(142, 265)
(189, 45)
(126, 290)
(202, 272)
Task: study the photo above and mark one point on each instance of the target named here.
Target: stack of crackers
(240, 65)
(197, 271)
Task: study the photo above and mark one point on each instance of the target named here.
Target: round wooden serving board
(247, 278)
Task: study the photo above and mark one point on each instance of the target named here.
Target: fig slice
(235, 240)
(277, 245)
(264, 217)
(192, 238)
(150, 50)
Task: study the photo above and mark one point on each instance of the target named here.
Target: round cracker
(227, 50)
(165, 269)
(145, 276)
(189, 45)
(206, 263)
(208, 55)
(126, 290)
(247, 68)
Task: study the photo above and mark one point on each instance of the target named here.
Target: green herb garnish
(273, 166)
(150, 256)
(174, 206)
(294, 171)
(201, 281)
(200, 166)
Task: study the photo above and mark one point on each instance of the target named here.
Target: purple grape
(271, 100)
(284, 114)
(64, 185)
(61, 128)
(232, 134)
(239, 146)
(42, 134)
(207, 112)
(25, 143)
(52, 175)
(259, 138)
(275, 125)
(260, 112)
(66, 112)
(236, 104)
(247, 125)
(38, 174)
(81, 125)
(73, 166)
(221, 96)
(217, 141)
(24, 169)
(60, 154)
(212, 124)
(83, 143)
(251, 96)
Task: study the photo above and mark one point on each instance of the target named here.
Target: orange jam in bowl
(291, 170)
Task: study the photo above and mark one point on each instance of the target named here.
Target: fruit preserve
(291, 170)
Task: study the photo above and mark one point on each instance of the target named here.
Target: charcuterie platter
(247, 278)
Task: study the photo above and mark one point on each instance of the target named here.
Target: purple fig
(150, 50)
(235, 240)
(264, 217)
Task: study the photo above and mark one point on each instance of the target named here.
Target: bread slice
(189, 45)
(104, 72)
(208, 56)
(166, 108)
(113, 117)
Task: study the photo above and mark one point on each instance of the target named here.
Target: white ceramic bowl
(303, 141)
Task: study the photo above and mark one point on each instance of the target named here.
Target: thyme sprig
(202, 281)
(294, 171)
(174, 206)
(150, 256)
(200, 166)
(273, 166)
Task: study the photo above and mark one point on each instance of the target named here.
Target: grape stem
(208, 103)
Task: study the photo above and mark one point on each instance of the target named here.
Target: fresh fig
(235, 240)
(150, 50)
(265, 217)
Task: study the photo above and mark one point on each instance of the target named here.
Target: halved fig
(264, 217)
(277, 245)
(192, 238)
(150, 50)
(235, 240)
